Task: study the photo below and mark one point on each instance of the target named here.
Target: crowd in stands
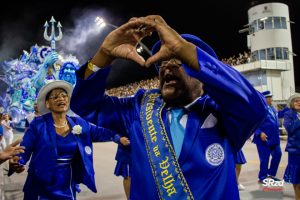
(130, 89)
(242, 58)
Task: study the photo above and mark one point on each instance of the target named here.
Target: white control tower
(269, 38)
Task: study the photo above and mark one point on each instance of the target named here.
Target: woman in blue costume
(60, 148)
(292, 125)
(123, 158)
(239, 160)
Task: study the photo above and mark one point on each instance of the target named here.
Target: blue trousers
(264, 153)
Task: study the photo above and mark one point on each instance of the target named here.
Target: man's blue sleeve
(91, 103)
(241, 107)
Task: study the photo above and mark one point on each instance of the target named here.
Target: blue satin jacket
(40, 144)
(270, 127)
(292, 125)
(224, 118)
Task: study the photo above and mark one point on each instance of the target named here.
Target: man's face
(174, 82)
(35, 107)
(269, 100)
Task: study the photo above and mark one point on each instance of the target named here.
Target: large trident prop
(52, 38)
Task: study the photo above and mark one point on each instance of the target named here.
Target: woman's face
(296, 104)
(58, 101)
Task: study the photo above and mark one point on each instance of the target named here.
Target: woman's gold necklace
(62, 126)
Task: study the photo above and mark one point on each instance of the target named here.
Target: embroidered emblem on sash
(88, 150)
(214, 154)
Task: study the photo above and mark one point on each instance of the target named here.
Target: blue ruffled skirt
(239, 157)
(292, 171)
(122, 169)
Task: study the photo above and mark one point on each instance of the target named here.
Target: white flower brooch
(77, 129)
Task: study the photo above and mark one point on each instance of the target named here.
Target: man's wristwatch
(92, 67)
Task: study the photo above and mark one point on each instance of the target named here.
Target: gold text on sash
(149, 113)
(168, 178)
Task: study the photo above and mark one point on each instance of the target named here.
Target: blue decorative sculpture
(25, 76)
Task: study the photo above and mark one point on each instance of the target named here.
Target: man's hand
(263, 137)
(124, 141)
(172, 44)
(121, 43)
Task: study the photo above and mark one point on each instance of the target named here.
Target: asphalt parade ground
(110, 187)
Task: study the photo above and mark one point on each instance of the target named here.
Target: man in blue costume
(267, 141)
(182, 138)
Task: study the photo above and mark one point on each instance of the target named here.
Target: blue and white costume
(239, 158)
(217, 123)
(59, 163)
(292, 125)
(123, 158)
(270, 127)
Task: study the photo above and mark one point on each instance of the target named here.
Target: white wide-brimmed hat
(41, 99)
(289, 101)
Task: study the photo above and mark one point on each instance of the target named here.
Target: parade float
(24, 76)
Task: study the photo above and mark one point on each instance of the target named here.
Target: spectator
(32, 115)
(7, 129)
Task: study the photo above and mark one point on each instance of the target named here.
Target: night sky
(216, 22)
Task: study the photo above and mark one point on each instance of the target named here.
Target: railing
(264, 64)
